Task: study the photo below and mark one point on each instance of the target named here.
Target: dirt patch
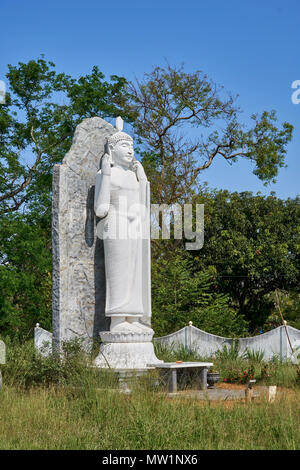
(227, 386)
(235, 396)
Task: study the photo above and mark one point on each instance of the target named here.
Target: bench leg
(173, 381)
(203, 378)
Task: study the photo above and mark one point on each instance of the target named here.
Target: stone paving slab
(214, 394)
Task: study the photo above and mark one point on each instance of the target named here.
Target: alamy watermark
(181, 217)
(2, 92)
(296, 94)
(125, 222)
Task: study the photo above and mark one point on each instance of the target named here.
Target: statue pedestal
(126, 351)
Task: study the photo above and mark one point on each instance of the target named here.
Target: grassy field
(50, 404)
(62, 418)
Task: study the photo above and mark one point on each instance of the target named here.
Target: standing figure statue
(122, 204)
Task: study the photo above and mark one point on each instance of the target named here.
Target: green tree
(37, 123)
(25, 274)
(290, 308)
(253, 245)
(181, 295)
(185, 122)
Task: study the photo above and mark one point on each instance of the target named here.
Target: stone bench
(168, 370)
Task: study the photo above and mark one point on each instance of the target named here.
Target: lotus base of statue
(126, 351)
(126, 337)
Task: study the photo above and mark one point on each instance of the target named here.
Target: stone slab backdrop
(78, 300)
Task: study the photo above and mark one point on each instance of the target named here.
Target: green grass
(62, 418)
(48, 403)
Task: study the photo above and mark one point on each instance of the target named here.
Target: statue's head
(120, 147)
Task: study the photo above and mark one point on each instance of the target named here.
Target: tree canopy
(37, 123)
(252, 243)
(186, 122)
(181, 294)
(183, 121)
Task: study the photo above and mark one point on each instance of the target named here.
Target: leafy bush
(237, 375)
(25, 367)
(229, 353)
(254, 356)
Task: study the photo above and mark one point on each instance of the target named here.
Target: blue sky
(251, 47)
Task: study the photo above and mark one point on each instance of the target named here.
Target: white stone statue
(122, 203)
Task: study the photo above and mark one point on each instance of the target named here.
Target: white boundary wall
(272, 343)
(2, 352)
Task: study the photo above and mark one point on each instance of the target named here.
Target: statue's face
(123, 153)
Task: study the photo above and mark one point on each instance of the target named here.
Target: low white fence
(2, 352)
(273, 343)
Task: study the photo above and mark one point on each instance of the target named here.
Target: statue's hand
(105, 165)
(140, 173)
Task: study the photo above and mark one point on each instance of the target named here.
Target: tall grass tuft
(176, 353)
(255, 357)
(26, 368)
(229, 353)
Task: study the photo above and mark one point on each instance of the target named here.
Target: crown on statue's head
(119, 135)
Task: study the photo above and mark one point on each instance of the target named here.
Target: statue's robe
(126, 237)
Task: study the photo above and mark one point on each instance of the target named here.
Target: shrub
(238, 375)
(254, 356)
(229, 353)
(25, 367)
